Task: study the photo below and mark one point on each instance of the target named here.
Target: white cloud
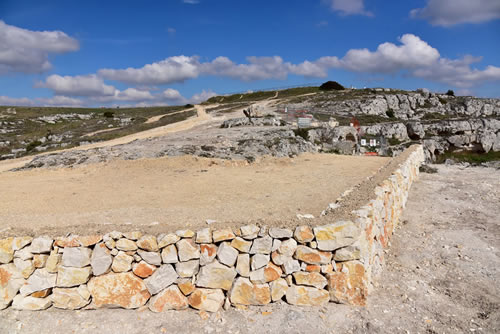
(451, 12)
(201, 97)
(169, 70)
(258, 68)
(80, 85)
(349, 7)
(171, 31)
(191, 2)
(129, 94)
(13, 101)
(55, 101)
(28, 51)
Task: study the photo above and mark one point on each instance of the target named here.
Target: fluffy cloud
(169, 70)
(258, 68)
(80, 85)
(28, 51)
(55, 101)
(451, 12)
(349, 7)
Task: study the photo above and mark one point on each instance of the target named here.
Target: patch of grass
(257, 96)
(435, 115)
(394, 141)
(297, 91)
(31, 146)
(469, 156)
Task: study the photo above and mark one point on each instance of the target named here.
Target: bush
(331, 85)
(450, 92)
(109, 114)
(31, 146)
(390, 113)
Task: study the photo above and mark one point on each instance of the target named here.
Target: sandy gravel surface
(441, 276)
(176, 193)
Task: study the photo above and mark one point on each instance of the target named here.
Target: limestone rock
(226, 254)
(334, 236)
(89, 240)
(245, 292)
(122, 263)
(162, 278)
(267, 274)
(143, 269)
(216, 276)
(185, 233)
(68, 277)
(169, 239)
(306, 296)
(243, 265)
(78, 257)
(278, 289)
(115, 235)
(187, 269)
(11, 280)
(204, 236)
(287, 247)
(290, 266)
(21, 242)
(187, 250)
(223, 235)
(259, 261)
(303, 234)
(53, 261)
(70, 298)
(41, 245)
(26, 267)
(39, 260)
(280, 233)
(186, 286)
(348, 253)
(126, 245)
(249, 232)
(241, 244)
(312, 256)
(210, 300)
(6, 251)
(31, 303)
(148, 243)
(208, 253)
(152, 258)
(134, 235)
(310, 278)
(40, 280)
(118, 290)
(262, 245)
(23, 254)
(276, 244)
(65, 242)
(169, 299)
(101, 260)
(348, 286)
(169, 254)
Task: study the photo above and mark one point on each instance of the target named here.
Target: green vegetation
(394, 141)
(297, 91)
(108, 114)
(450, 93)
(469, 156)
(331, 85)
(257, 96)
(303, 132)
(390, 113)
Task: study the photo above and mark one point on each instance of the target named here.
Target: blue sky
(107, 53)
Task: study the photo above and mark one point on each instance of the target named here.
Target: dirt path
(441, 276)
(158, 117)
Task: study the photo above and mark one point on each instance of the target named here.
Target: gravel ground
(441, 276)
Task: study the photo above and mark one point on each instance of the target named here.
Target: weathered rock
(310, 278)
(303, 234)
(23, 254)
(226, 254)
(169, 299)
(42, 294)
(143, 269)
(21, 242)
(262, 245)
(118, 290)
(101, 260)
(279, 259)
(216, 276)
(278, 289)
(11, 280)
(115, 235)
(245, 292)
(41, 245)
(267, 274)
(169, 239)
(6, 251)
(290, 266)
(78, 257)
(187, 269)
(223, 235)
(40, 280)
(122, 263)
(280, 233)
(148, 243)
(187, 250)
(259, 261)
(313, 268)
(338, 235)
(68, 277)
(241, 244)
(31, 303)
(162, 278)
(65, 242)
(243, 265)
(210, 300)
(204, 236)
(249, 232)
(312, 256)
(276, 244)
(39, 260)
(53, 261)
(25, 266)
(134, 235)
(306, 296)
(348, 253)
(169, 254)
(348, 286)
(72, 298)
(152, 258)
(185, 233)
(208, 253)
(186, 286)
(126, 245)
(287, 247)
(89, 240)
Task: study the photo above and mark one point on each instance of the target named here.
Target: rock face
(71, 299)
(78, 257)
(162, 278)
(40, 280)
(68, 277)
(209, 300)
(118, 290)
(11, 280)
(245, 292)
(216, 276)
(101, 260)
(169, 299)
(334, 236)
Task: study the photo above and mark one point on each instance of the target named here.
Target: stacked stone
(208, 269)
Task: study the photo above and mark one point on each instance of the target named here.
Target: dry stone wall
(209, 269)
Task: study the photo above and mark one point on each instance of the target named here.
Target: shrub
(450, 92)
(390, 113)
(31, 146)
(331, 85)
(109, 114)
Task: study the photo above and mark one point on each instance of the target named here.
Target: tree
(450, 92)
(331, 85)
